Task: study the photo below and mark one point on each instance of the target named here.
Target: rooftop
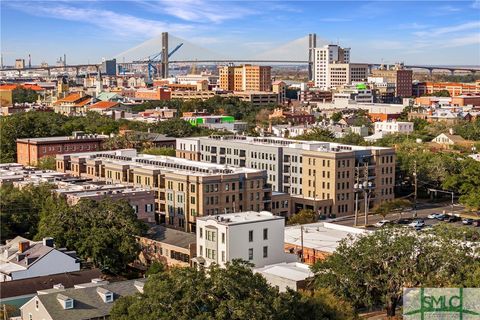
(170, 236)
(63, 139)
(321, 236)
(292, 270)
(242, 217)
(290, 143)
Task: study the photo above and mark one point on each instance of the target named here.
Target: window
(201, 232)
(201, 250)
(265, 234)
(109, 297)
(250, 254)
(223, 237)
(36, 304)
(69, 304)
(265, 251)
(250, 236)
(223, 256)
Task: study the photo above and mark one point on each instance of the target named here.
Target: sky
(415, 32)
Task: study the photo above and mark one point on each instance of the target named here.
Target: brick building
(153, 94)
(30, 150)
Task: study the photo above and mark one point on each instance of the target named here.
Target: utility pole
(301, 242)
(356, 187)
(415, 185)
(365, 192)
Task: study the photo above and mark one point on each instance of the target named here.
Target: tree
(100, 231)
(155, 267)
(337, 116)
(353, 139)
(466, 182)
(440, 93)
(371, 270)
(233, 292)
(302, 217)
(175, 128)
(162, 151)
(20, 210)
(390, 206)
(317, 134)
(24, 95)
(47, 163)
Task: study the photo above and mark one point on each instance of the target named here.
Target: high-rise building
(318, 175)
(245, 78)
(19, 63)
(183, 189)
(332, 67)
(401, 77)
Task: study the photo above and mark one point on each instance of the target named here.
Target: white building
(293, 275)
(256, 237)
(21, 258)
(332, 67)
(394, 127)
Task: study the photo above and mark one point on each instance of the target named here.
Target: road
(423, 210)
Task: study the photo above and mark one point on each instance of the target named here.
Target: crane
(153, 60)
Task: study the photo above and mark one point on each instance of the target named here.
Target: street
(423, 210)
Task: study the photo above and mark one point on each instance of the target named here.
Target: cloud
(450, 29)
(412, 25)
(116, 23)
(445, 10)
(200, 11)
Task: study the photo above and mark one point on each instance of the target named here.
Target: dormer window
(66, 302)
(105, 294)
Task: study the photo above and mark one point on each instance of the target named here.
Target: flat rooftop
(63, 139)
(292, 271)
(321, 236)
(289, 143)
(242, 217)
(171, 236)
(170, 164)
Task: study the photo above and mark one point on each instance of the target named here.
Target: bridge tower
(164, 63)
(312, 44)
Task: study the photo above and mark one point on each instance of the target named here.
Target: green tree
(337, 116)
(47, 163)
(391, 206)
(466, 182)
(162, 151)
(372, 270)
(100, 231)
(175, 128)
(155, 267)
(353, 139)
(234, 292)
(317, 134)
(303, 216)
(20, 209)
(440, 93)
(24, 95)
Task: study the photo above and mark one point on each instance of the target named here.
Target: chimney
(451, 131)
(48, 242)
(23, 246)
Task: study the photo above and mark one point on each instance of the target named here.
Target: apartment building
(318, 175)
(454, 88)
(339, 74)
(257, 237)
(401, 77)
(245, 78)
(31, 150)
(325, 56)
(184, 189)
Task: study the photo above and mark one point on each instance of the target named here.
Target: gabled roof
(87, 302)
(104, 105)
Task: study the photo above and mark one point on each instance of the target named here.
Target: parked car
(381, 223)
(449, 218)
(434, 215)
(467, 221)
(404, 221)
(441, 216)
(417, 224)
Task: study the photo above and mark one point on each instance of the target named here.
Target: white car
(434, 216)
(381, 223)
(417, 224)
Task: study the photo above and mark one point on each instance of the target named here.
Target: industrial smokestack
(29, 60)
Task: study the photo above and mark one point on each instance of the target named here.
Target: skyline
(429, 32)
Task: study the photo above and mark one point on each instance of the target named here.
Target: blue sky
(429, 32)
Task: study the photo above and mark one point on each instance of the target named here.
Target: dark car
(441, 216)
(404, 221)
(449, 218)
(467, 221)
